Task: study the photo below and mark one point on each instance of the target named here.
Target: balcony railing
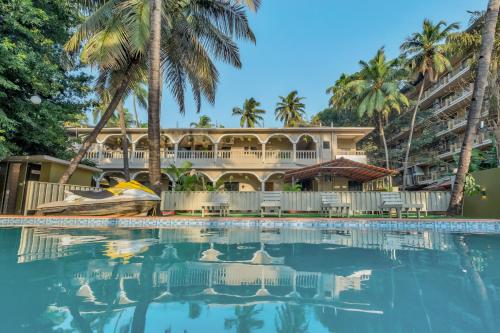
(209, 156)
(444, 81)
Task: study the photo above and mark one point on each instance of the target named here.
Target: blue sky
(306, 45)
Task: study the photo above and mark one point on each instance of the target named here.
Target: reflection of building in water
(367, 239)
(43, 243)
(39, 243)
(191, 279)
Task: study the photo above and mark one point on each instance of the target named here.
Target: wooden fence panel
(38, 193)
(361, 202)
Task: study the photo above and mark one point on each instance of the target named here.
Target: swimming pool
(248, 279)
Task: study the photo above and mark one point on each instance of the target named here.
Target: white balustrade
(195, 154)
(239, 154)
(305, 154)
(279, 155)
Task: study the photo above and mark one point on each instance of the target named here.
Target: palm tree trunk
(412, 128)
(89, 140)
(154, 90)
(482, 71)
(123, 130)
(384, 142)
(134, 100)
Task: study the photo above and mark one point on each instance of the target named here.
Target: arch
(207, 176)
(273, 174)
(315, 140)
(134, 176)
(108, 173)
(146, 135)
(238, 135)
(179, 139)
(112, 135)
(238, 172)
(279, 134)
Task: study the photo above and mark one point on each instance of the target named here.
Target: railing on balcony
(452, 100)
(305, 154)
(271, 156)
(351, 152)
(445, 80)
(239, 155)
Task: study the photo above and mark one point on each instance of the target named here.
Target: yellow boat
(124, 199)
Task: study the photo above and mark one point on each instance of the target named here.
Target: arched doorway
(143, 178)
(240, 182)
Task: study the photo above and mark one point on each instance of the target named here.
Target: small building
(16, 171)
(341, 175)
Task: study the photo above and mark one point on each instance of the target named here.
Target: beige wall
(247, 182)
(489, 205)
(338, 184)
(346, 144)
(51, 172)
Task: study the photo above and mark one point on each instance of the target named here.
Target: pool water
(247, 280)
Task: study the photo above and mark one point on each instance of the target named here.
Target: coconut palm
(291, 319)
(377, 92)
(427, 59)
(341, 94)
(250, 115)
(244, 319)
(115, 36)
(203, 122)
(482, 72)
(139, 97)
(290, 109)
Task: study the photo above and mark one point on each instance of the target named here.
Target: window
(326, 144)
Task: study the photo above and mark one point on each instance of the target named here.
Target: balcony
(480, 141)
(207, 158)
(352, 154)
(453, 100)
(444, 81)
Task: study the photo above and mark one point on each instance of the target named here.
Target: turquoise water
(247, 280)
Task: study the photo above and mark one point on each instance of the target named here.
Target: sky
(305, 46)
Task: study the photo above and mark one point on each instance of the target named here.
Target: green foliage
(338, 117)
(186, 179)
(32, 62)
(290, 110)
(292, 187)
(203, 122)
(250, 115)
(470, 186)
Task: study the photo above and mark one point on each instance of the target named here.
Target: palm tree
(290, 109)
(290, 319)
(341, 94)
(250, 115)
(244, 319)
(376, 92)
(482, 72)
(203, 122)
(115, 37)
(139, 97)
(426, 56)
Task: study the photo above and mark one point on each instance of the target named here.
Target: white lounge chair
(219, 205)
(332, 201)
(270, 203)
(393, 200)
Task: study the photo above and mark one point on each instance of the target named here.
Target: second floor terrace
(230, 148)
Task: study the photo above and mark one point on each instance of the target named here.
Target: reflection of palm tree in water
(291, 319)
(244, 319)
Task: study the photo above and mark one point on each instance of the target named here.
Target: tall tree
(203, 122)
(250, 115)
(32, 63)
(376, 92)
(427, 59)
(115, 36)
(290, 109)
(480, 84)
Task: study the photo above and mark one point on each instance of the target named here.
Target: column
(133, 151)
(262, 185)
(263, 152)
(334, 147)
(99, 151)
(216, 150)
(317, 152)
(176, 149)
(294, 157)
